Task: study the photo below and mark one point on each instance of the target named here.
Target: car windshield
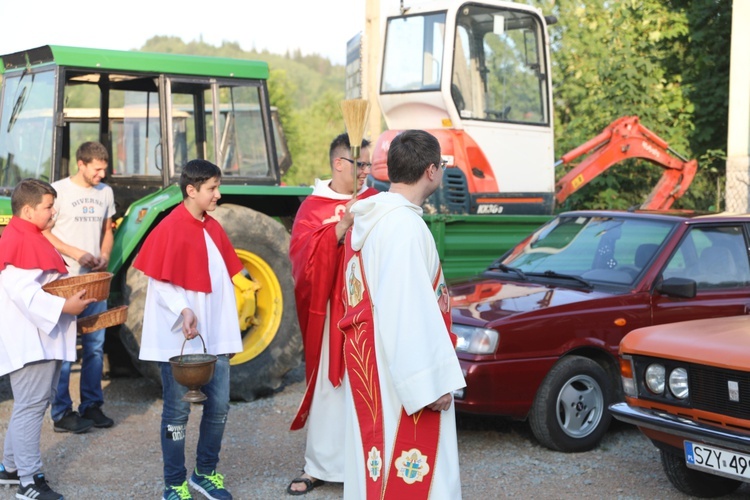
(588, 249)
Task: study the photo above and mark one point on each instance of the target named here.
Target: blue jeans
(174, 418)
(92, 365)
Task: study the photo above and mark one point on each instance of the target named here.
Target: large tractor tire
(265, 300)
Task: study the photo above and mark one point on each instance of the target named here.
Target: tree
(317, 126)
(631, 57)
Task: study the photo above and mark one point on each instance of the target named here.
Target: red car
(539, 330)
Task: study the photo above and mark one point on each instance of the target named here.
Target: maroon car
(539, 330)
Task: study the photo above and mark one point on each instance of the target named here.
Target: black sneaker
(40, 490)
(95, 414)
(7, 477)
(73, 422)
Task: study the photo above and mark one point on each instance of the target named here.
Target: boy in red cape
(37, 332)
(316, 253)
(190, 263)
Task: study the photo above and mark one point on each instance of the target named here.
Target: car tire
(570, 413)
(694, 482)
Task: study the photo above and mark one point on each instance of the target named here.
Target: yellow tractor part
(259, 305)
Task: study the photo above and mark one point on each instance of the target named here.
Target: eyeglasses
(360, 164)
(443, 164)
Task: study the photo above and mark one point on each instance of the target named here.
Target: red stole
(415, 447)
(317, 259)
(175, 251)
(24, 246)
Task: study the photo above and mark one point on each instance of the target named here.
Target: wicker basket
(95, 284)
(111, 317)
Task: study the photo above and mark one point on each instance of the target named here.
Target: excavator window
(498, 68)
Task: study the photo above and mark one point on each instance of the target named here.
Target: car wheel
(694, 482)
(570, 413)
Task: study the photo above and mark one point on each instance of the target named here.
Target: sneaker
(73, 422)
(210, 485)
(7, 477)
(96, 414)
(39, 490)
(180, 492)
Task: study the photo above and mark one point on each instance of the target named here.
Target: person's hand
(189, 324)
(443, 403)
(75, 304)
(88, 260)
(101, 264)
(346, 221)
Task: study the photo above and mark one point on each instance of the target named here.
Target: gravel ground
(499, 459)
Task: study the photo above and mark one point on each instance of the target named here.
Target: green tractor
(154, 112)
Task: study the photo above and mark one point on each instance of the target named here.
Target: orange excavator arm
(626, 138)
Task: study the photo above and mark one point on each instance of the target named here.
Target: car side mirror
(678, 287)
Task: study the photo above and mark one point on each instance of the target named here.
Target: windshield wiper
(552, 274)
(508, 269)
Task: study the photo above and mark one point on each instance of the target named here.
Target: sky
(314, 26)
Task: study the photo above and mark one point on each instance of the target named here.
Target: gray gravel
(499, 459)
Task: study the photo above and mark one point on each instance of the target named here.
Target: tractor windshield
(26, 127)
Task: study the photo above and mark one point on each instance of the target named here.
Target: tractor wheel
(272, 343)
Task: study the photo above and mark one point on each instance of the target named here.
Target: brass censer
(193, 371)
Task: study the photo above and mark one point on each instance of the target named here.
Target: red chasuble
(316, 266)
(415, 448)
(24, 246)
(175, 251)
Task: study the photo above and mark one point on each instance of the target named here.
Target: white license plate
(717, 461)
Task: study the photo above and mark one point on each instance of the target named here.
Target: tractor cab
(154, 112)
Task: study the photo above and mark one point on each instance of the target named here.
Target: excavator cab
(477, 76)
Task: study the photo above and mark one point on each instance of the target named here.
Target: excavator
(476, 75)
(622, 139)
(625, 138)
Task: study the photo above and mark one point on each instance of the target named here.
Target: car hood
(720, 342)
(491, 300)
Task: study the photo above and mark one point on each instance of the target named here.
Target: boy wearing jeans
(190, 263)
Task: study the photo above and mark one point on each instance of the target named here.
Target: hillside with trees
(666, 61)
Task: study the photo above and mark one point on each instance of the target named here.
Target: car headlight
(655, 378)
(678, 383)
(475, 340)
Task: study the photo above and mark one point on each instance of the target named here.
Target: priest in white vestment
(415, 360)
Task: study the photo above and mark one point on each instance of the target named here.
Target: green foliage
(646, 58)
(318, 125)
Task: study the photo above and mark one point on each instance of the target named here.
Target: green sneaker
(180, 492)
(210, 485)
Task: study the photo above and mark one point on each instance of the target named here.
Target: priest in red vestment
(316, 253)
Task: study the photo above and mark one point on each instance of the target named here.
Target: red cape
(175, 251)
(317, 260)
(24, 246)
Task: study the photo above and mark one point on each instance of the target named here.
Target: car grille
(709, 391)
